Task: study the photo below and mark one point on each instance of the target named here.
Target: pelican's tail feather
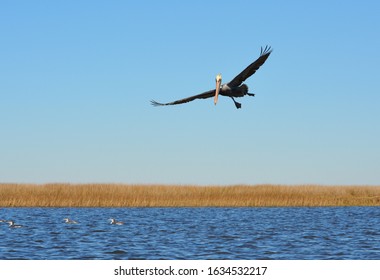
(244, 88)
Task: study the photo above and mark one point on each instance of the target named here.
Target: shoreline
(126, 195)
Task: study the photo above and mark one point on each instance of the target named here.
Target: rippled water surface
(192, 233)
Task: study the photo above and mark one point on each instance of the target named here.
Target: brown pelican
(234, 88)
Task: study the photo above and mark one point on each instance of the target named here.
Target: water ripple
(192, 233)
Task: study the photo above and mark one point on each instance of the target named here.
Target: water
(192, 233)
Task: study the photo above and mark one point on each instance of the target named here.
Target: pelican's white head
(218, 77)
(218, 80)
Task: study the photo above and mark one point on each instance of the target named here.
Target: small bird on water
(13, 225)
(68, 221)
(114, 222)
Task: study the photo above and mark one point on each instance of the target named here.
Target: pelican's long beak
(218, 80)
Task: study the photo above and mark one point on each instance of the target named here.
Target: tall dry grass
(118, 195)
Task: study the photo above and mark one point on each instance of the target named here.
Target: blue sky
(76, 78)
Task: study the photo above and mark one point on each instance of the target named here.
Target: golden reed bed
(118, 195)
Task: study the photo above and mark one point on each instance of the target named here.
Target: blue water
(192, 233)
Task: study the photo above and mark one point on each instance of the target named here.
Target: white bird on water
(114, 222)
(68, 221)
(13, 225)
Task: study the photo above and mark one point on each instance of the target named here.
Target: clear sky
(76, 78)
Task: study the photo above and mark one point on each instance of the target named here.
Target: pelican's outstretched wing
(251, 69)
(203, 95)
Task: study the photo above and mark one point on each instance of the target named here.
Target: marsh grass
(117, 195)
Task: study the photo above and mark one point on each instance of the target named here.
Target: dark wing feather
(251, 69)
(203, 95)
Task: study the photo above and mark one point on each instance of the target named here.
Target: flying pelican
(68, 221)
(234, 88)
(13, 225)
(114, 222)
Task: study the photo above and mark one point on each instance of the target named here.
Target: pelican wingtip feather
(155, 103)
(267, 49)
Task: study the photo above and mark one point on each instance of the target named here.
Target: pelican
(234, 88)
(68, 221)
(114, 222)
(13, 225)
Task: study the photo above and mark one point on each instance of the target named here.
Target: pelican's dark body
(233, 89)
(239, 91)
